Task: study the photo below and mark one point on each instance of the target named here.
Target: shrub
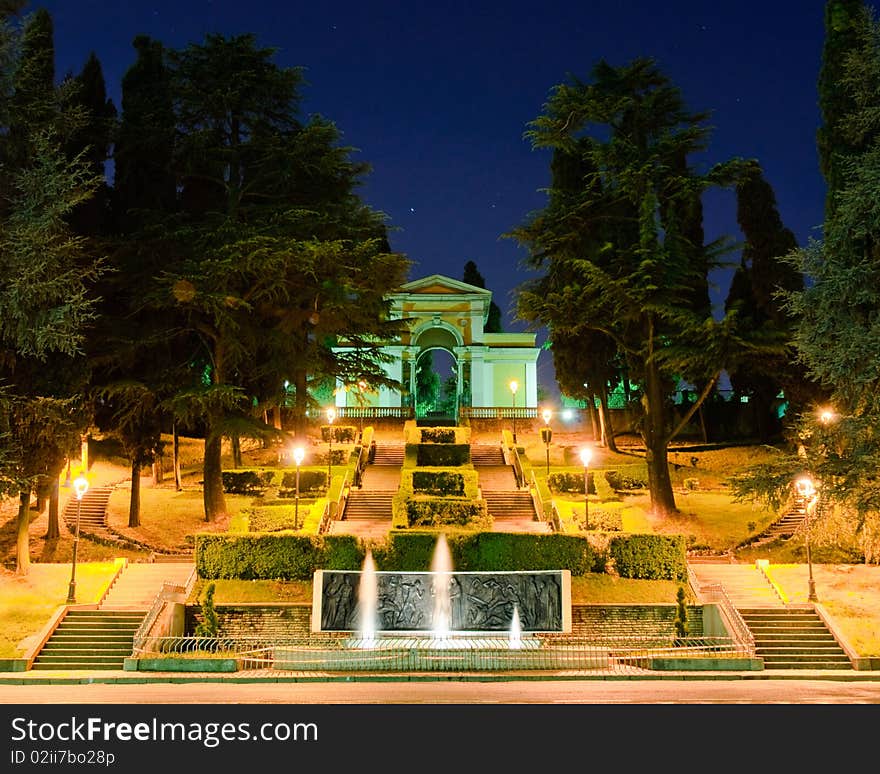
(605, 521)
(209, 624)
(681, 617)
(621, 481)
(438, 435)
(692, 484)
(309, 481)
(250, 482)
(437, 511)
(341, 433)
(570, 483)
(275, 518)
(653, 557)
(283, 556)
(438, 482)
(443, 455)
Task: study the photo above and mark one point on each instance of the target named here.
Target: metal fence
(402, 654)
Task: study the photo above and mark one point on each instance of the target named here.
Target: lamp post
(807, 489)
(331, 415)
(80, 486)
(298, 454)
(585, 459)
(547, 434)
(514, 386)
(362, 385)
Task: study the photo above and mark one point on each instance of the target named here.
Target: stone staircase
(513, 511)
(92, 509)
(90, 639)
(367, 514)
(781, 529)
(484, 454)
(794, 638)
(388, 454)
(744, 584)
(138, 584)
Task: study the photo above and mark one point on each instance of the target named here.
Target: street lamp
(514, 386)
(585, 458)
(331, 415)
(80, 486)
(298, 454)
(826, 416)
(362, 385)
(547, 434)
(807, 489)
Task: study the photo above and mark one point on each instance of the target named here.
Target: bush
(570, 483)
(652, 557)
(438, 482)
(274, 556)
(489, 551)
(692, 484)
(622, 482)
(440, 511)
(275, 518)
(438, 435)
(209, 625)
(443, 455)
(248, 482)
(606, 521)
(341, 433)
(309, 481)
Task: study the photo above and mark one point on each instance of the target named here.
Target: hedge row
(309, 481)
(256, 482)
(441, 511)
(341, 433)
(570, 482)
(296, 556)
(443, 455)
(444, 483)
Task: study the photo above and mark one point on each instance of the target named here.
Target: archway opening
(436, 384)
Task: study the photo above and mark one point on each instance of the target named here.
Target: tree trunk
(53, 531)
(594, 420)
(265, 422)
(158, 470)
(42, 494)
(605, 419)
(175, 445)
(276, 417)
(656, 441)
(22, 549)
(212, 486)
(236, 451)
(134, 503)
(301, 402)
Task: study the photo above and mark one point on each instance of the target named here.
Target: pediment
(440, 285)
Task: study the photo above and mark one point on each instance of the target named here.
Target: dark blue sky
(436, 96)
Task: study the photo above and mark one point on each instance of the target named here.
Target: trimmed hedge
(251, 482)
(438, 482)
(290, 556)
(490, 551)
(282, 556)
(621, 482)
(439, 511)
(309, 481)
(341, 433)
(276, 518)
(653, 557)
(438, 435)
(443, 455)
(606, 521)
(570, 483)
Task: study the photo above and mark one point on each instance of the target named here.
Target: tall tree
(837, 334)
(276, 256)
(845, 24)
(764, 274)
(633, 130)
(473, 277)
(45, 274)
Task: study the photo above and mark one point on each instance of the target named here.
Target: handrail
(555, 518)
(167, 591)
(517, 469)
(540, 505)
(739, 629)
(331, 514)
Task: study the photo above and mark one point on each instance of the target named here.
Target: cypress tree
(473, 277)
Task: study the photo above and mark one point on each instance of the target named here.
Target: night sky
(436, 97)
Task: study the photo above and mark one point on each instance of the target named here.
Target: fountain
(515, 630)
(367, 597)
(441, 567)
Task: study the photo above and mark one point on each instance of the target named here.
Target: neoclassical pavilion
(447, 314)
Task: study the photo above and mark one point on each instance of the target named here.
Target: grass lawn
(849, 592)
(228, 591)
(27, 602)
